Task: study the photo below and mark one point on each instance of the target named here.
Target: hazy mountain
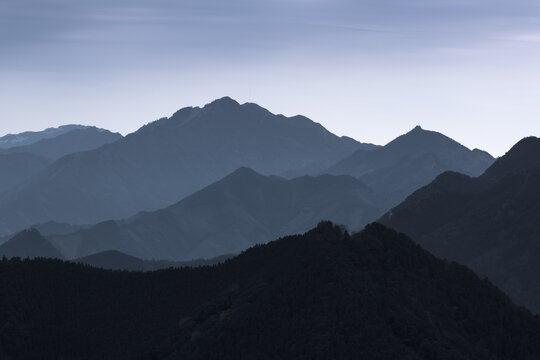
(15, 169)
(411, 161)
(50, 228)
(29, 243)
(77, 140)
(30, 137)
(242, 209)
(116, 260)
(490, 223)
(322, 295)
(169, 159)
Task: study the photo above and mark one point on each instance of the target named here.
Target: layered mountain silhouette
(17, 168)
(30, 137)
(242, 209)
(76, 140)
(169, 159)
(411, 161)
(29, 243)
(116, 260)
(322, 295)
(490, 223)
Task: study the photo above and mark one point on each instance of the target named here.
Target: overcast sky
(371, 70)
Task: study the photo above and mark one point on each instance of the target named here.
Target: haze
(371, 70)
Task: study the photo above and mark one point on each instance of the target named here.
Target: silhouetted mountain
(15, 169)
(116, 260)
(490, 223)
(322, 295)
(242, 209)
(411, 161)
(77, 140)
(29, 243)
(50, 228)
(169, 159)
(30, 137)
(525, 155)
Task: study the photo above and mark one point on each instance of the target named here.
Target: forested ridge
(322, 295)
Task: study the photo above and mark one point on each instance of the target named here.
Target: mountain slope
(169, 159)
(30, 137)
(411, 161)
(77, 140)
(29, 243)
(15, 169)
(116, 260)
(242, 209)
(490, 223)
(322, 295)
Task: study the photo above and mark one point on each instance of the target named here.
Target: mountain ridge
(489, 223)
(228, 216)
(411, 161)
(167, 160)
(325, 294)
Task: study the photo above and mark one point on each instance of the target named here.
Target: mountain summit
(410, 161)
(169, 159)
(524, 155)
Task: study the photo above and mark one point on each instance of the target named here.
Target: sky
(371, 70)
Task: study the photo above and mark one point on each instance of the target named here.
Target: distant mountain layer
(169, 159)
(29, 243)
(242, 209)
(30, 137)
(116, 260)
(18, 168)
(410, 162)
(77, 140)
(322, 295)
(490, 223)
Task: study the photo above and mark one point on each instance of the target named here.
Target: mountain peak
(421, 140)
(524, 155)
(29, 243)
(224, 101)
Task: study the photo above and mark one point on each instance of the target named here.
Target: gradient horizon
(371, 70)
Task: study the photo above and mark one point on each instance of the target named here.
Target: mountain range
(20, 163)
(321, 295)
(411, 161)
(208, 190)
(169, 159)
(30, 137)
(243, 209)
(76, 140)
(490, 223)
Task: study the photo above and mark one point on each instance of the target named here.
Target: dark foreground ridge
(490, 223)
(321, 295)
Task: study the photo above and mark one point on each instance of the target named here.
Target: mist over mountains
(231, 215)
(169, 159)
(19, 167)
(186, 212)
